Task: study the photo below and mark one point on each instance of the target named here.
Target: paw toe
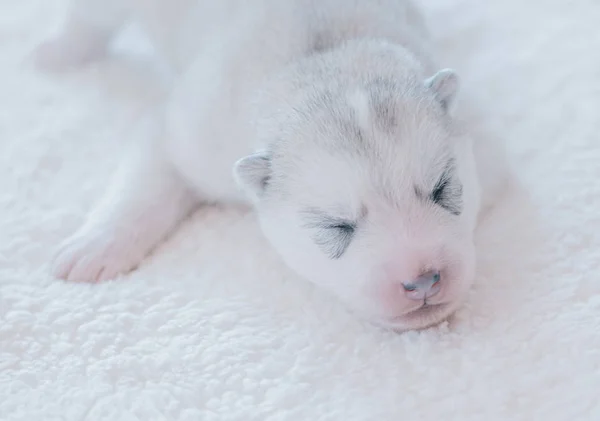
(94, 258)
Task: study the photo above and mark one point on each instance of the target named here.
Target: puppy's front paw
(63, 53)
(93, 256)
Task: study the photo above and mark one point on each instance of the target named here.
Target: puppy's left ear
(252, 173)
(444, 85)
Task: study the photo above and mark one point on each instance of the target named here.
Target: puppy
(331, 118)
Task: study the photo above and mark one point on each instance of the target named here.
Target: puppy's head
(367, 189)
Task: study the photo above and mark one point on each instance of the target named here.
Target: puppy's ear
(444, 85)
(252, 173)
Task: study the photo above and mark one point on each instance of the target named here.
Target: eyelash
(345, 227)
(335, 238)
(440, 194)
(333, 235)
(439, 189)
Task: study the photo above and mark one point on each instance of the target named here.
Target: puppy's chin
(424, 317)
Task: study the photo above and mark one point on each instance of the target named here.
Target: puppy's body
(339, 127)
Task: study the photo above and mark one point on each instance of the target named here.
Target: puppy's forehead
(374, 107)
(381, 113)
(382, 135)
(372, 137)
(378, 124)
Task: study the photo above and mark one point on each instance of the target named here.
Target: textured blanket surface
(212, 326)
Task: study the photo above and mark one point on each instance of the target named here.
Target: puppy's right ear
(252, 173)
(444, 85)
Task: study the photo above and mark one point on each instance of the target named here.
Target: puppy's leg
(144, 203)
(84, 37)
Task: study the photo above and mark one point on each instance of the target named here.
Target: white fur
(252, 75)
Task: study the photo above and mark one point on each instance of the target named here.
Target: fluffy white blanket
(213, 327)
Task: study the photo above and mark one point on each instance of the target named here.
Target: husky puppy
(331, 118)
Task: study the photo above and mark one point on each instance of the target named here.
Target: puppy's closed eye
(447, 193)
(332, 234)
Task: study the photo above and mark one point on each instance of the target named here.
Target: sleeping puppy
(331, 118)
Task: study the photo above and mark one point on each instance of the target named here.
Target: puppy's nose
(423, 287)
